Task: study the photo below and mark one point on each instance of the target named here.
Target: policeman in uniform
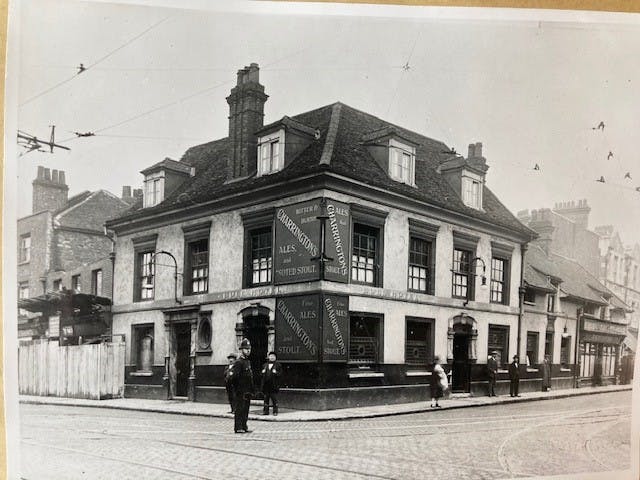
(242, 387)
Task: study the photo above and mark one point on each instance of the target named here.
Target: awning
(54, 302)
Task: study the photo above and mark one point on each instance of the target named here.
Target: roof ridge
(332, 134)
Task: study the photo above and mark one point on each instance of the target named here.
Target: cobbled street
(571, 435)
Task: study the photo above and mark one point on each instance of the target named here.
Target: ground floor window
(609, 354)
(565, 352)
(418, 349)
(142, 347)
(499, 342)
(365, 339)
(588, 357)
(532, 348)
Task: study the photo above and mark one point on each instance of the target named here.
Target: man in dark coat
(228, 380)
(271, 373)
(242, 387)
(492, 372)
(514, 377)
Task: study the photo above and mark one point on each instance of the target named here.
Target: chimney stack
(578, 212)
(50, 192)
(246, 116)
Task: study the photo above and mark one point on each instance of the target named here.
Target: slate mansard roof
(342, 148)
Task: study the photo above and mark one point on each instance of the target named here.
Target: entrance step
(460, 395)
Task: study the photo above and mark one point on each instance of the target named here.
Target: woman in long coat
(437, 376)
(546, 374)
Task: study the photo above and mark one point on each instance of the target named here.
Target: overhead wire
(101, 59)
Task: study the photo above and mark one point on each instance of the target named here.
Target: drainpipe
(576, 359)
(112, 258)
(521, 290)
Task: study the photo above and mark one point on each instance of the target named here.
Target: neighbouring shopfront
(599, 351)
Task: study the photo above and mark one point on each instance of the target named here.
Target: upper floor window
(365, 254)
(529, 295)
(499, 280)
(153, 189)
(25, 249)
(76, 286)
(261, 256)
(271, 153)
(145, 270)
(198, 266)
(402, 162)
(551, 303)
(96, 282)
(57, 285)
(472, 191)
(420, 265)
(463, 279)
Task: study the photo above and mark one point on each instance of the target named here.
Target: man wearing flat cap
(492, 372)
(228, 377)
(242, 387)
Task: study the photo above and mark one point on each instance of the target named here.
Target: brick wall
(73, 248)
(39, 228)
(85, 272)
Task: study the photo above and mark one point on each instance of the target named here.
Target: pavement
(455, 401)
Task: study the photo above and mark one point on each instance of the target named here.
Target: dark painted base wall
(327, 387)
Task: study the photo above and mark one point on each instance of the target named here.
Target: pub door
(461, 364)
(183, 352)
(255, 330)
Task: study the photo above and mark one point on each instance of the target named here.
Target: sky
(530, 87)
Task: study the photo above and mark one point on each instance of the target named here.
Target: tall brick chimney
(246, 116)
(50, 192)
(576, 212)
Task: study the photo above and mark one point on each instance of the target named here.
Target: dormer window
(402, 161)
(472, 190)
(153, 189)
(271, 153)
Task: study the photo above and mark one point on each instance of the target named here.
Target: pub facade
(355, 249)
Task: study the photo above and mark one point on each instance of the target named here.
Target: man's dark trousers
(241, 411)
(270, 395)
(513, 387)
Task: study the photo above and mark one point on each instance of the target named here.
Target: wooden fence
(93, 371)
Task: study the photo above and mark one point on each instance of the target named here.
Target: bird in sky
(85, 134)
(601, 180)
(81, 68)
(627, 175)
(406, 67)
(537, 167)
(599, 127)
(610, 156)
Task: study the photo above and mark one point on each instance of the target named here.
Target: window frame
(531, 300)
(378, 319)
(155, 179)
(142, 246)
(536, 335)
(24, 255)
(198, 233)
(503, 359)
(565, 351)
(267, 141)
(425, 232)
(57, 282)
(76, 283)
(252, 222)
(504, 282)
(429, 341)
(398, 151)
(137, 330)
(22, 287)
(373, 219)
(472, 186)
(97, 278)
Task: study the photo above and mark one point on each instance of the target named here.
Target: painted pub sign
(298, 241)
(312, 328)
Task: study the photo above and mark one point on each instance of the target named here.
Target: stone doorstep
(288, 415)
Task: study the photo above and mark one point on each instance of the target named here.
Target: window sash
(25, 248)
(498, 340)
(462, 284)
(420, 259)
(498, 280)
(146, 276)
(532, 347)
(402, 165)
(261, 256)
(270, 158)
(199, 266)
(96, 282)
(364, 255)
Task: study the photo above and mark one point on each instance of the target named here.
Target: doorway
(183, 354)
(256, 331)
(461, 365)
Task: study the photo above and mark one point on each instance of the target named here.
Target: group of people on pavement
(514, 375)
(240, 385)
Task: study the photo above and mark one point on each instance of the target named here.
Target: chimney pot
(47, 174)
(40, 173)
(61, 177)
(472, 150)
(126, 191)
(54, 176)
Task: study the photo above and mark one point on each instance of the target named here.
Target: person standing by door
(228, 380)
(514, 377)
(546, 374)
(492, 371)
(271, 373)
(438, 382)
(242, 387)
